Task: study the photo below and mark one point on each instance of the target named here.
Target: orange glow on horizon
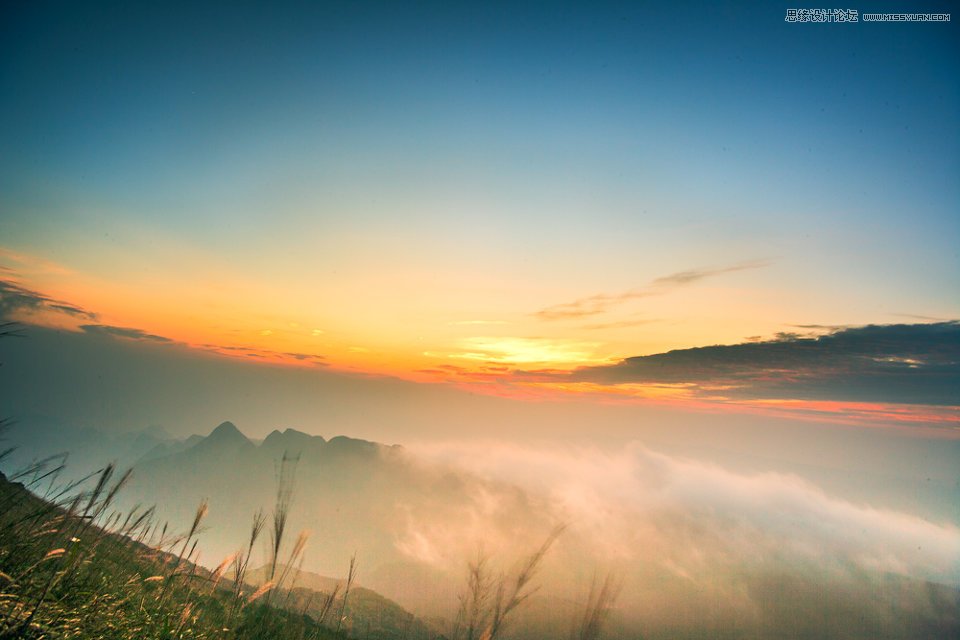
(518, 357)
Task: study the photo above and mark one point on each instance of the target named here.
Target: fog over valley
(696, 545)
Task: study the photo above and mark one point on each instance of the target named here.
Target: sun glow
(527, 351)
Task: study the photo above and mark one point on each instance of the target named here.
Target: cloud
(123, 332)
(914, 316)
(602, 302)
(622, 324)
(241, 351)
(913, 364)
(15, 299)
(306, 357)
(591, 305)
(688, 277)
(671, 520)
(822, 327)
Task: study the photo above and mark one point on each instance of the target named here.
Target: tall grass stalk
(281, 510)
(488, 604)
(603, 595)
(351, 574)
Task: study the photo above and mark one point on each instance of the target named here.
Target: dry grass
(73, 567)
(603, 595)
(489, 602)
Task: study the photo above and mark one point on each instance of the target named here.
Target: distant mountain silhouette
(86, 449)
(170, 447)
(292, 442)
(352, 494)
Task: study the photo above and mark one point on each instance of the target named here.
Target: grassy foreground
(72, 567)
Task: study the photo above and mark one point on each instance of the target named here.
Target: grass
(73, 567)
(603, 595)
(489, 602)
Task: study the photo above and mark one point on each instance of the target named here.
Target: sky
(547, 202)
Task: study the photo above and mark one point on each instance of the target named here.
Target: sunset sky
(512, 200)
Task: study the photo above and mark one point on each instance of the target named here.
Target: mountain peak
(342, 445)
(291, 440)
(226, 433)
(227, 429)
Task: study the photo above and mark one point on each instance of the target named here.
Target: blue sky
(381, 173)
(739, 112)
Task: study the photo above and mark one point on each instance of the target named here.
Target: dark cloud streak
(14, 298)
(124, 332)
(911, 364)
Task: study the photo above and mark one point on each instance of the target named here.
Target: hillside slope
(366, 614)
(72, 567)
